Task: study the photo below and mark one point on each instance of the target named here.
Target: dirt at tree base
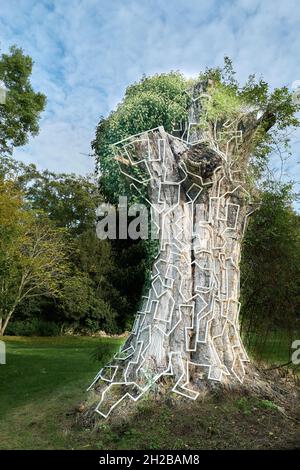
(262, 414)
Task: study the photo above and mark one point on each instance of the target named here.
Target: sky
(86, 52)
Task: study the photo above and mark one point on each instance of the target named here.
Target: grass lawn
(275, 350)
(45, 378)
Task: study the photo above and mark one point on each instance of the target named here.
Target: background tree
(10, 211)
(32, 253)
(20, 114)
(70, 201)
(106, 278)
(270, 268)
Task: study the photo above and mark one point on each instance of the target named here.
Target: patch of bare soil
(263, 414)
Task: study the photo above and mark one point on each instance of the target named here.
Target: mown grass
(276, 348)
(45, 378)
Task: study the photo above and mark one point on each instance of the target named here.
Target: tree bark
(3, 325)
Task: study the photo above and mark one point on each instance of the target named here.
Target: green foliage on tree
(19, 115)
(160, 100)
(276, 109)
(33, 261)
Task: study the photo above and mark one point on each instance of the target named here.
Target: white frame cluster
(161, 283)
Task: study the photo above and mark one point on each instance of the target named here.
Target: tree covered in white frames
(192, 151)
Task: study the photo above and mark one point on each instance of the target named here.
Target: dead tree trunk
(187, 327)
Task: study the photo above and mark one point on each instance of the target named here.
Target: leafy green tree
(157, 100)
(69, 200)
(32, 254)
(106, 276)
(81, 304)
(271, 266)
(20, 114)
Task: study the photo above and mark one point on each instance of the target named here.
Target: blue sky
(87, 52)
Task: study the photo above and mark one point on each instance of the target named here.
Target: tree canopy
(19, 115)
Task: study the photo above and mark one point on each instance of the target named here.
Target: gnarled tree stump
(187, 327)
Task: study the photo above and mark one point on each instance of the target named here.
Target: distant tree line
(270, 267)
(96, 285)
